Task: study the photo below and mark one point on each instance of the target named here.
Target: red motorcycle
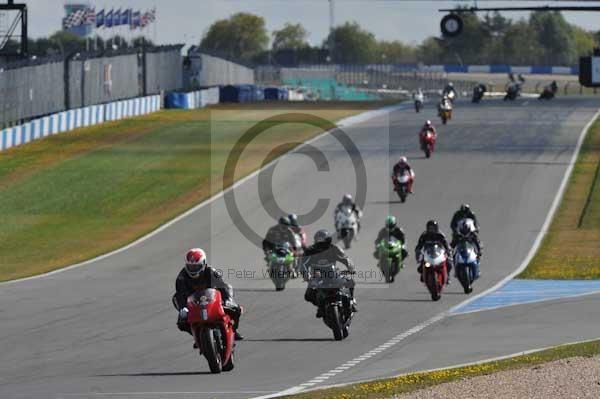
(434, 266)
(427, 142)
(212, 329)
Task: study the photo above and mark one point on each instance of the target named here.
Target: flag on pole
(76, 18)
(99, 18)
(126, 17)
(152, 15)
(90, 16)
(117, 17)
(136, 20)
(144, 19)
(108, 19)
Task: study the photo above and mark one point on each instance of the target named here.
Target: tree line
(545, 38)
(63, 43)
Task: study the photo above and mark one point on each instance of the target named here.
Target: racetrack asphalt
(107, 329)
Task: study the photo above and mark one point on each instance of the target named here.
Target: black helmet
(323, 236)
(284, 220)
(432, 226)
(390, 222)
(347, 199)
(293, 219)
(465, 208)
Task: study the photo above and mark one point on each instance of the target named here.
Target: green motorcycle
(391, 254)
(280, 262)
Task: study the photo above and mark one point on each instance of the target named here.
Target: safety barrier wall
(537, 70)
(75, 118)
(202, 98)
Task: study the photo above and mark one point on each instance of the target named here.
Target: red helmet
(195, 262)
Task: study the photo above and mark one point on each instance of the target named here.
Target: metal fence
(163, 70)
(40, 88)
(30, 91)
(203, 70)
(390, 78)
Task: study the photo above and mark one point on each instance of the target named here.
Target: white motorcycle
(346, 225)
(466, 262)
(466, 226)
(401, 182)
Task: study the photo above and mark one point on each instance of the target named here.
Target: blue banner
(99, 18)
(126, 17)
(136, 20)
(108, 21)
(117, 17)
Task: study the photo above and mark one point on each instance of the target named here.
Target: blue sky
(409, 21)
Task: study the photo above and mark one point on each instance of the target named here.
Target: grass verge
(74, 196)
(570, 248)
(387, 388)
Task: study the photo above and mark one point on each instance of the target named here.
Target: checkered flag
(76, 18)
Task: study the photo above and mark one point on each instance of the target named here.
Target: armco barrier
(75, 118)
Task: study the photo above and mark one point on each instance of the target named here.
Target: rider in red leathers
(427, 127)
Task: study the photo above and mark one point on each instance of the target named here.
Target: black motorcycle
(333, 296)
(478, 93)
(549, 92)
(418, 105)
(513, 90)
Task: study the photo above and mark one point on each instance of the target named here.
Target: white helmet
(195, 262)
(403, 160)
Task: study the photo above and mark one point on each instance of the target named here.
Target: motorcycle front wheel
(210, 351)
(336, 323)
(432, 284)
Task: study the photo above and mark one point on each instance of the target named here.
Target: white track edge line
(547, 221)
(522, 266)
(492, 359)
(342, 123)
(535, 301)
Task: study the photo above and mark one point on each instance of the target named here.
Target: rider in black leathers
(197, 275)
(463, 212)
(324, 252)
(432, 234)
(280, 233)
